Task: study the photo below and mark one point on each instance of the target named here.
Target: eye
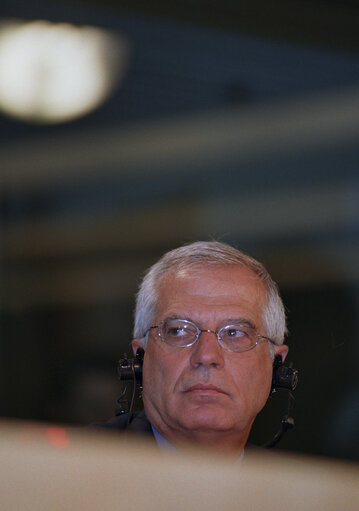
(234, 333)
(237, 338)
(178, 329)
(175, 331)
(178, 332)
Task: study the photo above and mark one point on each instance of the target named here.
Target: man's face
(203, 390)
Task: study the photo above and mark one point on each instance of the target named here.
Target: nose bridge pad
(218, 345)
(210, 332)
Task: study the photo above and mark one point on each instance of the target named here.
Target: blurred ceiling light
(56, 72)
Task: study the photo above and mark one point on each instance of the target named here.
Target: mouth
(201, 388)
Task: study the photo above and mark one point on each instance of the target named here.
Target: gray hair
(198, 255)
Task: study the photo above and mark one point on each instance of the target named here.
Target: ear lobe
(136, 343)
(281, 350)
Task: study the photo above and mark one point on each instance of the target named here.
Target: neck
(206, 441)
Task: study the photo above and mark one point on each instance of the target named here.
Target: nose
(206, 351)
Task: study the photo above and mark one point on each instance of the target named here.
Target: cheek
(264, 381)
(253, 378)
(160, 374)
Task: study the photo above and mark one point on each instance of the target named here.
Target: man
(210, 320)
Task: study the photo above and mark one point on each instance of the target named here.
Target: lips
(204, 388)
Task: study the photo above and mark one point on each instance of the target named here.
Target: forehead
(215, 292)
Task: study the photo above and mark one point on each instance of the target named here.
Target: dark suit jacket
(135, 423)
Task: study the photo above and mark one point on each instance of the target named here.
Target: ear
(136, 343)
(281, 350)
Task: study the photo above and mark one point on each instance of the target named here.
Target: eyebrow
(227, 321)
(240, 321)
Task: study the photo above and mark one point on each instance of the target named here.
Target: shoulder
(118, 422)
(136, 422)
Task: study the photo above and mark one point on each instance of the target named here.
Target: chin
(209, 417)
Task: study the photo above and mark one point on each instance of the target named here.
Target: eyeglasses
(237, 337)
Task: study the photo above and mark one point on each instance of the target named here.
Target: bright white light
(56, 72)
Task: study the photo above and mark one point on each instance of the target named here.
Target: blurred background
(128, 128)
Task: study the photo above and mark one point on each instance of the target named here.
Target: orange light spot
(57, 437)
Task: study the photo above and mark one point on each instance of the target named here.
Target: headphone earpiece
(131, 369)
(284, 377)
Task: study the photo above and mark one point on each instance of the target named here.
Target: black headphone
(131, 369)
(283, 377)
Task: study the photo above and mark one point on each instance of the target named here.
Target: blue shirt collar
(162, 442)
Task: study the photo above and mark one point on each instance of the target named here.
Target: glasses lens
(237, 338)
(178, 332)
